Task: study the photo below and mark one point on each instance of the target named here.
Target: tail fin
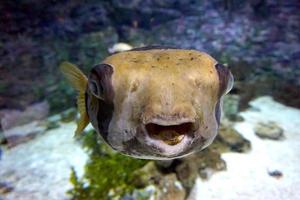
(79, 81)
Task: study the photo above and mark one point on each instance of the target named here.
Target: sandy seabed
(40, 169)
(246, 177)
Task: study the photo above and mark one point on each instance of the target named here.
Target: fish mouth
(169, 134)
(169, 139)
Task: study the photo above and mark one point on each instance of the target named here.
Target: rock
(149, 192)
(13, 118)
(229, 139)
(149, 174)
(269, 130)
(24, 133)
(167, 188)
(9, 118)
(275, 173)
(2, 137)
(170, 188)
(52, 122)
(202, 163)
(5, 188)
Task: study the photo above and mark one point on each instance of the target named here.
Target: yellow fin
(79, 81)
(84, 119)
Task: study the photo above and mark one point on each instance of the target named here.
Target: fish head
(157, 104)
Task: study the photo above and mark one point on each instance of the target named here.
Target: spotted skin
(161, 85)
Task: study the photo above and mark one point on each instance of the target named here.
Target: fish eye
(225, 78)
(96, 89)
(100, 83)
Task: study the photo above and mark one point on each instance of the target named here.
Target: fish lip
(168, 122)
(162, 149)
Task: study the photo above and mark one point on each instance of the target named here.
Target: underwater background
(257, 152)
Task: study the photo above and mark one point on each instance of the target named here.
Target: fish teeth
(171, 137)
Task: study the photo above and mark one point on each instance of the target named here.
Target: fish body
(153, 103)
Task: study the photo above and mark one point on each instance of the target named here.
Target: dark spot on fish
(104, 72)
(152, 66)
(168, 57)
(191, 58)
(153, 47)
(134, 87)
(198, 83)
(104, 117)
(158, 59)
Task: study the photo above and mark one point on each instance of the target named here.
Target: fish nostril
(170, 135)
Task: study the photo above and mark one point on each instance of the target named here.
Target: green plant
(107, 174)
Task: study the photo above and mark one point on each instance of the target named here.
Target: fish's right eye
(100, 83)
(96, 89)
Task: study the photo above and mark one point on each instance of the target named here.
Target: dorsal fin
(79, 81)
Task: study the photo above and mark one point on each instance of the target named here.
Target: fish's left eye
(100, 83)
(225, 79)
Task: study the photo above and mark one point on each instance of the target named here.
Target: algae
(107, 174)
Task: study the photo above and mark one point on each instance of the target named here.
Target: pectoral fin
(79, 81)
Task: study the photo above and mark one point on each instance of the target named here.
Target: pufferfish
(152, 102)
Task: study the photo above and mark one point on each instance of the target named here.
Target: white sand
(247, 174)
(40, 168)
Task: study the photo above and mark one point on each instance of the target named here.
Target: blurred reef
(258, 39)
